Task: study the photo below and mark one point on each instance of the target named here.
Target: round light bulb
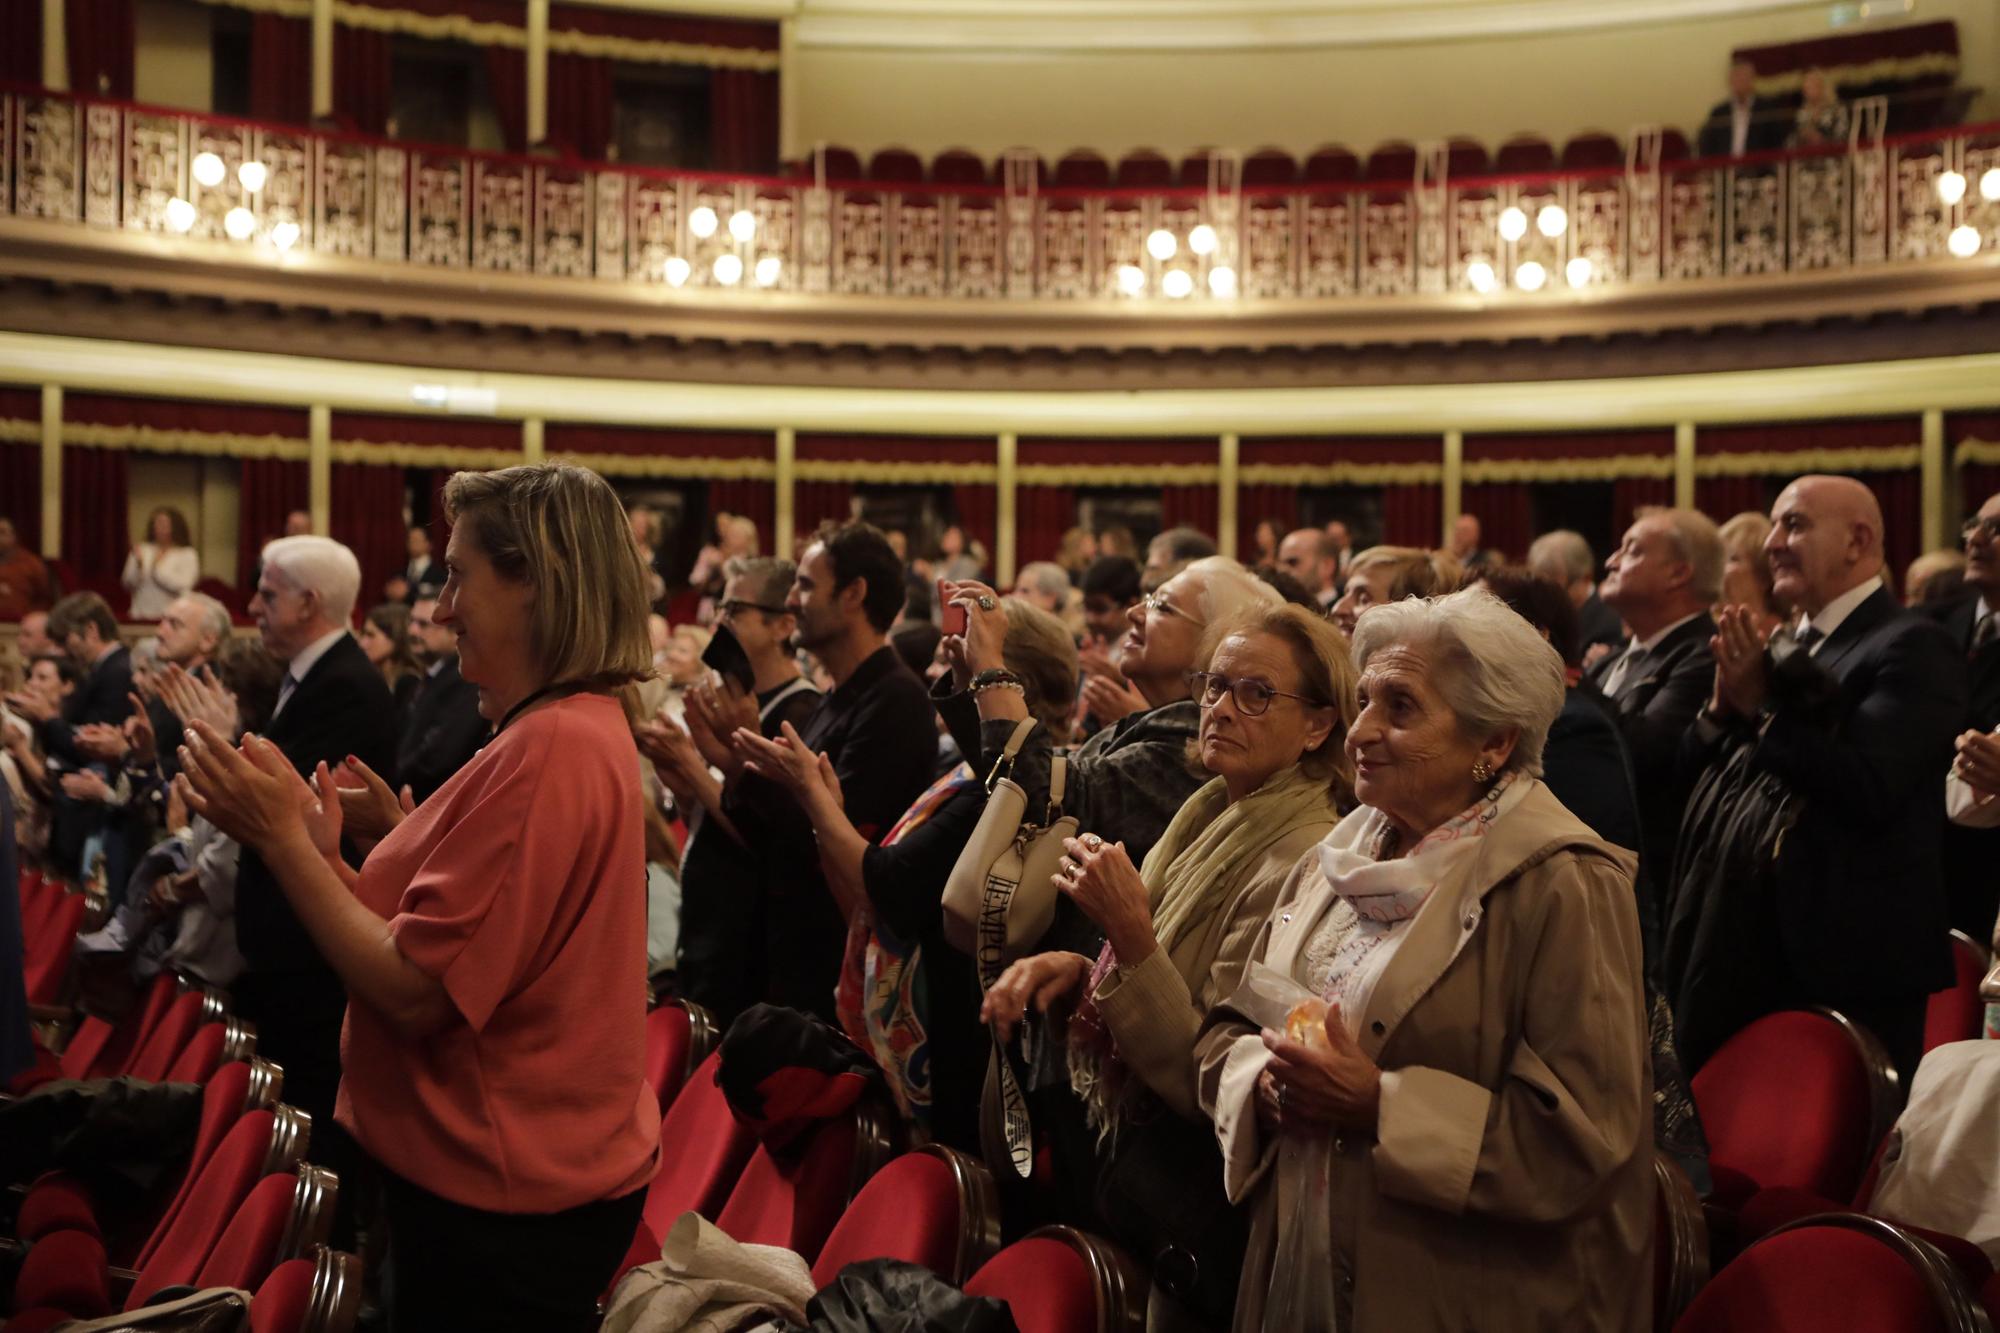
(1551, 221)
(728, 270)
(1131, 279)
(1161, 244)
(1178, 283)
(743, 225)
(285, 235)
(1989, 185)
(1579, 271)
(208, 170)
(1202, 240)
(1963, 241)
(252, 175)
(678, 271)
(702, 222)
(240, 223)
(1481, 275)
(769, 269)
(1222, 281)
(1950, 187)
(1530, 277)
(1513, 224)
(180, 214)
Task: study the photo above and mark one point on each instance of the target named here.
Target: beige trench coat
(1509, 1182)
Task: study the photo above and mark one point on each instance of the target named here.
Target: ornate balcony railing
(1878, 201)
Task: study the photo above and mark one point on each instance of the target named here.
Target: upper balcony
(1405, 248)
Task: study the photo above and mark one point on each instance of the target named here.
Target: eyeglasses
(1252, 697)
(1158, 602)
(1985, 529)
(730, 610)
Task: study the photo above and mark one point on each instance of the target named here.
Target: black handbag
(1159, 1190)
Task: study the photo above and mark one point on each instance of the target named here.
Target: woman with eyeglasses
(1276, 695)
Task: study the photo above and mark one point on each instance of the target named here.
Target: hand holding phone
(951, 619)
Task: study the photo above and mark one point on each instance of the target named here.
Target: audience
(1383, 574)
(1743, 122)
(387, 642)
(1465, 534)
(1563, 558)
(1343, 545)
(1808, 866)
(1310, 556)
(442, 727)
(422, 573)
(1452, 1094)
(1276, 696)
(1935, 578)
(1822, 117)
(1746, 571)
(1972, 889)
(31, 639)
(495, 1047)
(1171, 552)
(1044, 585)
(24, 579)
(163, 565)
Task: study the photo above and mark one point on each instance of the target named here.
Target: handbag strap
(1013, 747)
(1058, 775)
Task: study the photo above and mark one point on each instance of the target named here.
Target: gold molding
(663, 466)
(1931, 64)
(896, 473)
(1340, 474)
(1118, 474)
(568, 41)
(1975, 450)
(1489, 470)
(1764, 463)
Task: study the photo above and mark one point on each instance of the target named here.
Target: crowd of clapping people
(1406, 887)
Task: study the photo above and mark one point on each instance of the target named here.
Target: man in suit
(1743, 122)
(1971, 856)
(423, 573)
(1564, 558)
(331, 703)
(1841, 733)
(1311, 557)
(444, 729)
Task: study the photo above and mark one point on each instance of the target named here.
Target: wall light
(1222, 281)
(703, 222)
(1202, 240)
(1178, 283)
(1513, 224)
(285, 235)
(743, 225)
(1950, 187)
(252, 175)
(208, 170)
(1481, 275)
(1131, 279)
(1963, 241)
(728, 270)
(180, 214)
(1161, 244)
(1552, 221)
(1530, 277)
(769, 269)
(1579, 271)
(240, 223)
(678, 271)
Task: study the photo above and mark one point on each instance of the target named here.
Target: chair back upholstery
(48, 954)
(208, 1198)
(705, 1149)
(1836, 1271)
(667, 1047)
(1956, 1013)
(794, 1203)
(1061, 1280)
(934, 1207)
(201, 1056)
(157, 1053)
(248, 1248)
(1794, 1099)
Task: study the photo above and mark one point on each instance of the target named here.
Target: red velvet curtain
(1506, 512)
(1411, 514)
(507, 80)
(742, 120)
(1194, 507)
(974, 508)
(94, 539)
(1977, 483)
(1631, 494)
(1901, 496)
(362, 71)
(99, 35)
(21, 42)
(21, 485)
(440, 525)
(280, 68)
(267, 490)
(1254, 504)
(581, 104)
(1041, 515)
(1722, 498)
(367, 517)
(754, 500)
(817, 502)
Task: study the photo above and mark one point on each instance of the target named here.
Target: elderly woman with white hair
(1433, 1085)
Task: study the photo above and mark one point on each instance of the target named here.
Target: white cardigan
(157, 578)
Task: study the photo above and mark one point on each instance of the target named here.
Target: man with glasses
(722, 956)
(1970, 854)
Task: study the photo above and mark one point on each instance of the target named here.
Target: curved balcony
(144, 198)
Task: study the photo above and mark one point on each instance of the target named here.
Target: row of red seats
(1271, 168)
(243, 1210)
(51, 915)
(846, 1198)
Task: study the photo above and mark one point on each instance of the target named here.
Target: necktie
(1809, 636)
(285, 693)
(1983, 633)
(1614, 680)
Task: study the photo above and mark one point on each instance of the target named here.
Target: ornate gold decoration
(1975, 450)
(1902, 69)
(1867, 458)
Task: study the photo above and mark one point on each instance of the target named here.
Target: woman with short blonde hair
(492, 944)
(1384, 574)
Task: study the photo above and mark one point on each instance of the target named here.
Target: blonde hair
(560, 529)
(1326, 670)
(1745, 535)
(1041, 652)
(1413, 571)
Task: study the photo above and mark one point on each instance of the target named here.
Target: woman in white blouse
(163, 566)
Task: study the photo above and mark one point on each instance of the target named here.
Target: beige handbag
(1001, 897)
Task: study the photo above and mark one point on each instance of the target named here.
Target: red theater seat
(668, 1043)
(1524, 153)
(168, 1038)
(956, 166)
(1393, 163)
(1269, 167)
(1466, 157)
(1332, 165)
(1060, 1280)
(1145, 169)
(794, 1203)
(704, 1148)
(843, 166)
(1834, 1273)
(1956, 1013)
(48, 957)
(1591, 151)
(934, 1207)
(1082, 169)
(898, 166)
(1798, 1098)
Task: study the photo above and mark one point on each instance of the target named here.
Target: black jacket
(103, 697)
(1770, 123)
(342, 707)
(1657, 701)
(1809, 861)
(1972, 886)
(442, 731)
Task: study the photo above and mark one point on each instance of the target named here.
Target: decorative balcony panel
(1276, 253)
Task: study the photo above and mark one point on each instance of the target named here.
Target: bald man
(1809, 861)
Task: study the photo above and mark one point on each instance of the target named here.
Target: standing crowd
(1396, 896)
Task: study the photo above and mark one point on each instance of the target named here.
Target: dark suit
(1662, 691)
(342, 707)
(1770, 123)
(429, 575)
(1841, 799)
(103, 697)
(1597, 623)
(443, 731)
(1972, 856)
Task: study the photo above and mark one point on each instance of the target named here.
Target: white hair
(1227, 587)
(1491, 667)
(1047, 578)
(214, 615)
(1563, 553)
(319, 565)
